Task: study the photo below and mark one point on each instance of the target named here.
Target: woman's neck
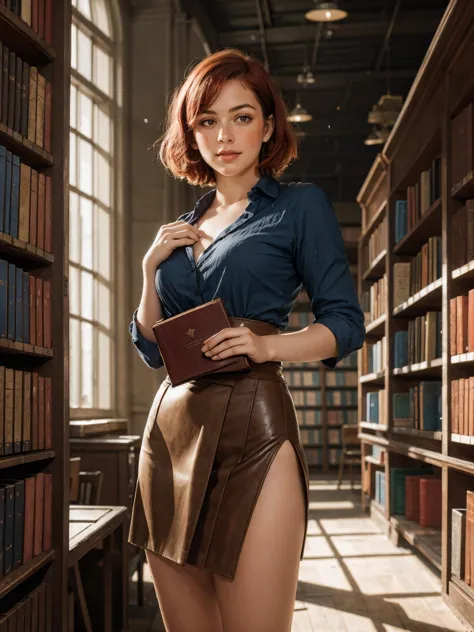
(231, 190)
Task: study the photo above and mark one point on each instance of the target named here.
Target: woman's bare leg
(186, 595)
(262, 595)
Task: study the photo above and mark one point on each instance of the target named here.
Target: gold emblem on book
(190, 332)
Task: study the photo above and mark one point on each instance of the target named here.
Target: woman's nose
(224, 135)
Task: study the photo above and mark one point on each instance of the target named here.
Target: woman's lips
(228, 157)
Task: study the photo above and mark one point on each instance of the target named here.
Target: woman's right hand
(168, 238)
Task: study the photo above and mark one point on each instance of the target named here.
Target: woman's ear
(269, 127)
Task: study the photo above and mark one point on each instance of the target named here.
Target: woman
(221, 505)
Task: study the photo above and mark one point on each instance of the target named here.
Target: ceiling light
(299, 115)
(326, 12)
(373, 139)
(306, 77)
(386, 111)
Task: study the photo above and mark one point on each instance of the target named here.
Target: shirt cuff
(339, 329)
(147, 349)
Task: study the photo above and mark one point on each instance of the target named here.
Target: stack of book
(373, 356)
(461, 323)
(420, 407)
(462, 406)
(423, 500)
(373, 301)
(398, 488)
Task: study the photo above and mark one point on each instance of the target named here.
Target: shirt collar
(267, 185)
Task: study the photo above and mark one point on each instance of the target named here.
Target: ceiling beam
(328, 81)
(410, 23)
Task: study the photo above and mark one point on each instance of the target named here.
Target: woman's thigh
(186, 595)
(262, 595)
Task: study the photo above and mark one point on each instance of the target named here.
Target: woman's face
(229, 134)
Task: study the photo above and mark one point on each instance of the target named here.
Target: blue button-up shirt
(287, 237)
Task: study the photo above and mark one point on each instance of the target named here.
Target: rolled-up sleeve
(147, 349)
(321, 263)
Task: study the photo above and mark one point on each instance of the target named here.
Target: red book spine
(41, 412)
(47, 116)
(29, 529)
(34, 411)
(48, 219)
(47, 314)
(41, 210)
(41, 18)
(39, 506)
(470, 323)
(34, 15)
(412, 498)
(33, 207)
(48, 511)
(430, 502)
(32, 310)
(39, 312)
(48, 21)
(48, 404)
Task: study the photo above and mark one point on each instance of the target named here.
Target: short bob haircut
(198, 91)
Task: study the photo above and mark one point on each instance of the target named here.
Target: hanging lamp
(326, 12)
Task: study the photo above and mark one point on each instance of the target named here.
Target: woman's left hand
(237, 341)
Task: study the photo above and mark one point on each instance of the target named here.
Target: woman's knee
(186, 596)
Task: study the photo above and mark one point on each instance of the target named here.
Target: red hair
(198, 91)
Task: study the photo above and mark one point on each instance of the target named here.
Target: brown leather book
(48, 217)
(18, 412)
(39, 507)
(181, 337)
(47, 314)
(41, 412)
(26, 445)
(28, 538)
(32, 310)
(41, 211)
(39, 312)
(34, 412)
(48, 420)
(48, 511)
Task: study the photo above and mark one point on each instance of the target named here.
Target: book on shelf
(26, 414)
(458, 530)
(397, 486)
(380, 488)
(373, 300)
(420, 408)
(376, 244)
(373, 356)
(462, 406)
(375, 406)
(461, 321)
(462, 230)
(421, 342)
(430, 502)
(27, 612)
(469, 545)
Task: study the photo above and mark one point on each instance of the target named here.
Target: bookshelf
(416, 262)
(324, 400)
(34, 440)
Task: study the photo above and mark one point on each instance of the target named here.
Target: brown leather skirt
(207, 447)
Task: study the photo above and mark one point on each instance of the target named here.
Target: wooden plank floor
(352, 578)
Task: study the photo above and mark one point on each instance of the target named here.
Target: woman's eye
(206, 121)
(246, 117)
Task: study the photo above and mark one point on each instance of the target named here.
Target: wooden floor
(352, 579)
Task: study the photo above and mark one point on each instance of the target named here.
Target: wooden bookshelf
(52, 59)
(425, 138)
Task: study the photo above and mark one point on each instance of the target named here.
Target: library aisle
(352, 578)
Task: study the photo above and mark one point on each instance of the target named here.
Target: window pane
(87, 366)
(85, 115)
(73, 108)
(105, 382)
(87, 296)
(72, 160)
(84, 55)
(85, 166)
(102, 131)
(103, 233)
(74, 229)
(84, 7)
(74, 291)
(102, 179)
(87, 243)
(101, 17)
(103, 305)
(74, 47)
(74, 362)
(102, 70)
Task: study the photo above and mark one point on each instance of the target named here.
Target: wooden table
(98, 553)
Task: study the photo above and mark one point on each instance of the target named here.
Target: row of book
(376, 243)
(409, 277)
(341, 378)
(314, 456)
(25, 202)
(25, 99)
(31, 613)
(306, 398)
(420, 407)
(349, 362)
(461, 323)
(462, 406)
(341, 398)
(334, 436)
(312, 437)
(398, 477)
(463, 141)
(462, 231)
(375, 407)
(25, 411)
(423, 500)
(420, 198)
(300, 319)
(25, 306)
(302, 378)
(36, 13)
(372, 302)
(334, 456)
(462, 540)
(313, 417)
(420, 343)
(374, 356)
(26, 503)
(309, 417)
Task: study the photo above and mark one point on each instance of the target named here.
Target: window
(94, 120)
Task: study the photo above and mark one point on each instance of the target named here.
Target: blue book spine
(8, 190)
(15, 197)
(19, 306)
(401, 405)
(26, 308)
(3, 166)
(3, 298)
(11, 300)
